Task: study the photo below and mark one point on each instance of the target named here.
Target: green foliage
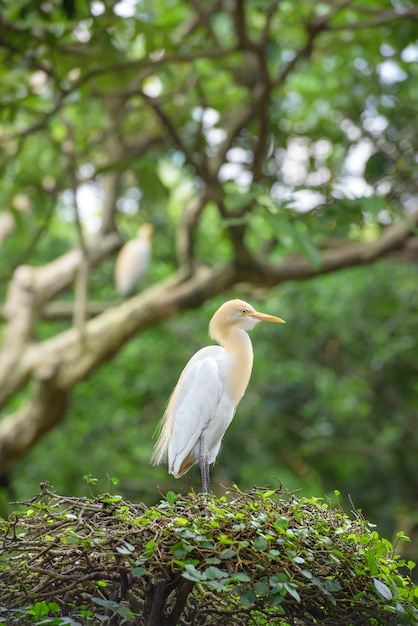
(62, 87)
(334, 401)
(258, 557)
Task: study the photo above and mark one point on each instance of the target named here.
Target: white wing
(198, 409)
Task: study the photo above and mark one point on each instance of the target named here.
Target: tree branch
(28, 292)
(185, 232)
(20, 430)
(382, 17)
(394, 240)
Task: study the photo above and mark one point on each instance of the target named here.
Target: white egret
(207, 394)
(133, 260)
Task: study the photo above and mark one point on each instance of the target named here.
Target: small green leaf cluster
(263, 557)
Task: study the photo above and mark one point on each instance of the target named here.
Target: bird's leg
(204, 472)
(204, 469)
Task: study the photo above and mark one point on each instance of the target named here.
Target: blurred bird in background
(207, 394)
(133, 260)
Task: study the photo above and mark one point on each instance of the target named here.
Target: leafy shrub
(263, 557)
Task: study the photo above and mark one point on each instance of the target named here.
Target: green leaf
(261, 588)
(216, 584)
(191, 573)
(268, 493)
(213, 560)
(378, 166)
(171, 497)
(291, 589)
(382, 589)
(273, 552)
(138, 572)
(332, 585)
(39, 609)
(371, 561)
(240, 577)
(227, 554)
(280, 577)
(261, 544)
(111, 499)
(181, 521)
(299, 559)
(126, 548)
(213, 573)
(277, 598)
(248, 598)
(107, 604)
(281, 523)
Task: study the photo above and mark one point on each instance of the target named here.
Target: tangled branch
(197, 560)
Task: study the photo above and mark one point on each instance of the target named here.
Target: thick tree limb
(28, 292)
(20, 430)
(394, 240)
(61, 310)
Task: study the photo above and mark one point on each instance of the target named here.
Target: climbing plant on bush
(263, 557)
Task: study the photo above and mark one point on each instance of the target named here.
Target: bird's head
(237, 314)
(145, 231)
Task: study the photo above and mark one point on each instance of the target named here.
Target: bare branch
(81, 282)
(172, 131)
(63, 310)
(313, 29)
(241, 24)
(382, 17)
(272, 8)
(202, 18)
(185, 232)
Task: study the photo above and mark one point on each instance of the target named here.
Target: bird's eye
(244, 311)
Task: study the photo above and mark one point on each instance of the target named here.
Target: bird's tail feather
(161, 447)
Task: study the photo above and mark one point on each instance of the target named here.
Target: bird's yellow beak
(264, 317)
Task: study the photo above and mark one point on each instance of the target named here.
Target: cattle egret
(133, 260)
(207, 394)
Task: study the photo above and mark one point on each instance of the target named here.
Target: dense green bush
(263, 557)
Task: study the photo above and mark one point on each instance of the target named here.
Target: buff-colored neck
(238, 345)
